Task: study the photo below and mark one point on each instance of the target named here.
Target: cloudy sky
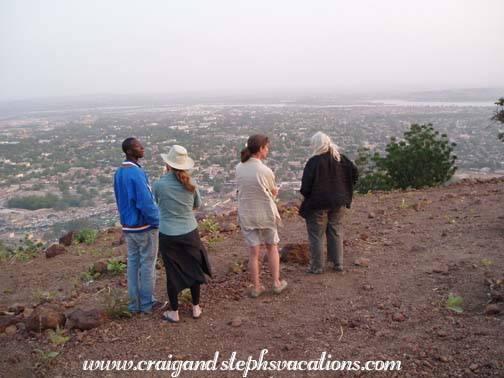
(76, 47)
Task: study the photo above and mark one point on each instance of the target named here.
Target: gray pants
(328, 222)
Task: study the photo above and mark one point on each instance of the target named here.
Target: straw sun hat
(177, 158)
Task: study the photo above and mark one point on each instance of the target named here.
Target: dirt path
(420, 246)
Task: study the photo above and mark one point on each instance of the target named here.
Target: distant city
(68, 155)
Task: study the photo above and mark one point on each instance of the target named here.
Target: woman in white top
(257, 212)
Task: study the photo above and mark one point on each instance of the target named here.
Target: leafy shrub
(86, 235)
(115, 266)
(90, 276)
(29, 249)
(423, 158)
(211, 226)
(499, 115)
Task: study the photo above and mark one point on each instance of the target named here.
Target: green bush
(115, 266)
(86, 235)
(423, 158)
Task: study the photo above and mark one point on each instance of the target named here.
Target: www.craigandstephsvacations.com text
(242, 366)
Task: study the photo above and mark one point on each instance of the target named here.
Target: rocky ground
(409, 257)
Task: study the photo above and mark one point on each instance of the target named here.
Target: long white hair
(321, 144)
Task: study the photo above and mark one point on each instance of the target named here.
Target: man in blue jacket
(139, 218)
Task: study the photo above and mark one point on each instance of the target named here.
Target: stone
(11, 330)
(296, 253)
(227, 227)
(367, 287)
(364, 236)
(119, 239)
(67, 240)
(371, 215)
(362, 261)
(236, 322)
(493, 309)
(44, 317)
(7, 321)
(418, 249)
(16, 308)
(398, 317)
(100, 266)
(83, 320)
(416, 206)
(473, 367)
(55, 250)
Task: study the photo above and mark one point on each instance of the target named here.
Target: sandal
(168, 318)
(196, 312)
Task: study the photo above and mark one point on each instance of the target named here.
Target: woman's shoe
(279, 289)
(196, 312)
(171, 316)
(257, 293)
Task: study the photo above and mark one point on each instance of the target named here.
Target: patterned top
(256, 206)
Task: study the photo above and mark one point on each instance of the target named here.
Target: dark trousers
(328, 223)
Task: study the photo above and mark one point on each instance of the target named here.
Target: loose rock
(83, 319)
(362, 261)
(296, 253)
(493, 309)
(55, 250)
(44, 317)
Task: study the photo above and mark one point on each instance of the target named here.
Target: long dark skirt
(185, 260)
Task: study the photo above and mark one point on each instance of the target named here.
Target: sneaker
(338, 268)
(257, 293)
(279, 289)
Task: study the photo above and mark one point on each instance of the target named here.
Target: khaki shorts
(258, 236)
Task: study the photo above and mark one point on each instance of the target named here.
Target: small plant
(5, 252)
(453, 303)
(90, 276)
(29, 248)
(212, 228)
(44, 296)
(115, 266)
(86, 235)
(45, 358)
(58, 337)
(184, 296)
(116, 305)
(486, 262)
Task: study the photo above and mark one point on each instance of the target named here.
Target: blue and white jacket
(137, 210)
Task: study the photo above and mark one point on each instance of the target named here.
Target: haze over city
(62, 48)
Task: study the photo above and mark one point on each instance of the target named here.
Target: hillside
(406, 252)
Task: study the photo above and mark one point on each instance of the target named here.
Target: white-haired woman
(327, 187)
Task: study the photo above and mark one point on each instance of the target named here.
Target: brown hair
(184, 178)
(254, 144)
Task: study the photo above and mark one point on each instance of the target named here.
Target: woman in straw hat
(184, 257)
(257, 212)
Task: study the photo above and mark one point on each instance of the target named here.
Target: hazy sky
(73, 47)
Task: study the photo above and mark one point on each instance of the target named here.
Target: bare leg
(254, 266)
(274, 263)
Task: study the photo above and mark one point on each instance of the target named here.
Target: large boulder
(83, 319)
(295, 253)
(55, 250)
(67, 239)
(44, 317)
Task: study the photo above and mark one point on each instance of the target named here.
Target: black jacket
(327, 183)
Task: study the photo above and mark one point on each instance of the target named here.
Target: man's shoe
(310, 270)
(279, 289)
